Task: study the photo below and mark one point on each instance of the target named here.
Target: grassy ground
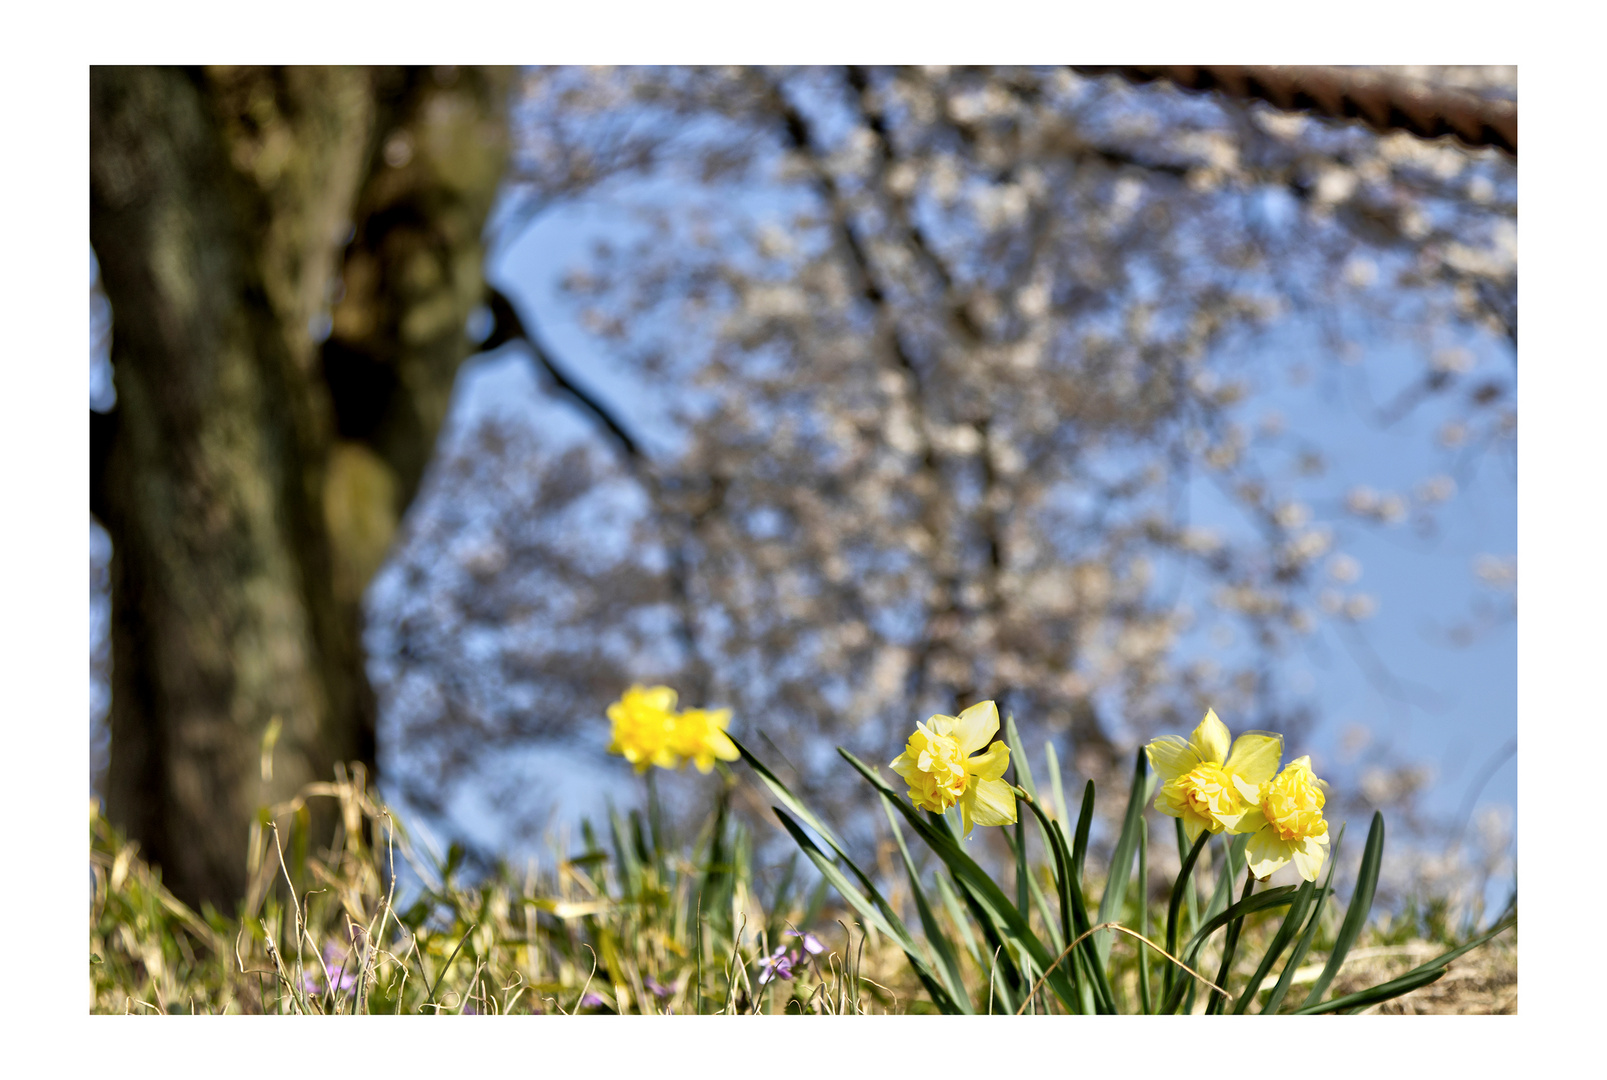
(629, 922)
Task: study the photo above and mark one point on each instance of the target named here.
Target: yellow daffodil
(1208, 786)
(1288, 823)
(698, 735)
(939, 767)
(644, 727)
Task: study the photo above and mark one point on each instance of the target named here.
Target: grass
(632, 922)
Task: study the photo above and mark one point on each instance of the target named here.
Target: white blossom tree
(945, 352)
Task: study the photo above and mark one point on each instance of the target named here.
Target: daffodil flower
(698, 735)
(644, 725)
(1207, 785)
(1288, 824)
(938, 765)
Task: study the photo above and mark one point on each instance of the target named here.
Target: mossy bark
(290, 255)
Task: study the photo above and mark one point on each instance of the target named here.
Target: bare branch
(1384, 103)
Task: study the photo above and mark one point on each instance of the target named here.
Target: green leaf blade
(948, 964)
(1361, 903)
(1280, 941)
(1285, 979)
(1121, 859)
(1175, 906)
(1000, 912)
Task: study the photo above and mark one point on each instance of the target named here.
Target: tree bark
(290, 256)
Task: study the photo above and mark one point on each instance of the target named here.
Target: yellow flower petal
(1210, 739)
(1255, 756)
(1171, 756)
(1309, 855)
(698, 735)
(720, 747)
(975, 726)
(1252, 820)
(988, 802)
(1250, 793)
(658, 697)
(932, 766)
(643, 727)
(1266, 853)
(1169, 800)
(991, 764)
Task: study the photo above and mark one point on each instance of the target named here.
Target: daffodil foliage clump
(1266, 814)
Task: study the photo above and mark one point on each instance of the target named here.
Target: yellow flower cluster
(649, 731)
(942, 766)
(1212, 787)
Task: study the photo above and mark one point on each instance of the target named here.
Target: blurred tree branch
(1382, 102)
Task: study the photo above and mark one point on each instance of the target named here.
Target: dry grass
(1483, 982)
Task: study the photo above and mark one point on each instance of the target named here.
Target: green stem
(1143, 914)
(1173, 909)
(1229, 947)
(655, 818)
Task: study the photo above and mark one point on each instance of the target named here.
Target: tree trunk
(290, 256)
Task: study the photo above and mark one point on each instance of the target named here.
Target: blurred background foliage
(875, 392)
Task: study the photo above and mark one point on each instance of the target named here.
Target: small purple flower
(344, 967)
(340, 966)
(312, 981)
(811, 943)
(592, 1000)
(657, 988)
(777, 966)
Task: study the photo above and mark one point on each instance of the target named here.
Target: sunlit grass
(628, 921)
(624, 924)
